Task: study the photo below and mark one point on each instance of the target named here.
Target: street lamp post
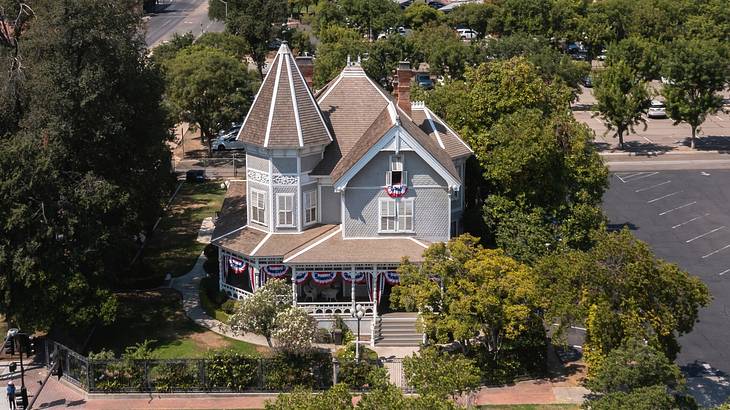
(226, 4)
(358, 314)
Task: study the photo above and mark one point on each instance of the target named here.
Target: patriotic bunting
(357, 277)
(300, 277)
(238, 266)
(276, 271)
(391, 277)
(323, 278)
(396, 191)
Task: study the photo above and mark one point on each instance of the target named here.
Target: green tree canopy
(337, 44)
(440, 47)
(85, 170)
(255, 21)
(640, 54)
(419, 14)
(645, 398)
(233, 45)
(622, 99)
(697, 70)
(620, 290)
(440, 376)
(209, 87)
(476, 16)
(258, 312)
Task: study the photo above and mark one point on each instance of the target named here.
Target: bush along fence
(221, 372)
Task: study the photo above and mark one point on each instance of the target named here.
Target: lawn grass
(158, 315)
(210, 307)
(530, 407)
(173, 248)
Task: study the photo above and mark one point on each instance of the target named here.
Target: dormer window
(396, 175)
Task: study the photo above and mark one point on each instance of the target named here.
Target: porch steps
(398, 329)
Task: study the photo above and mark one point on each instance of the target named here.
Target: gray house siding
(431, 199)
(310, 161)
(329, 206)
(256, 162)
(284, 165)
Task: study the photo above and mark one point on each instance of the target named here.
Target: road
(684, 217)
(179, 16)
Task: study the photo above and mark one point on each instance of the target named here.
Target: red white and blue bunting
(276, 271)
(238, 266)
(301, 277)
(379, 284)
(396, 191)
(357, 277)
(323, 278)
(392, 277)
(252, 277)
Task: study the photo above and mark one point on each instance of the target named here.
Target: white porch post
(352, 289)
(375, 308)
(293, 288)
(221, 269)
(257, 269)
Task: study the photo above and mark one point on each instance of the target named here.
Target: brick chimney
(403, 88)
(306, 66)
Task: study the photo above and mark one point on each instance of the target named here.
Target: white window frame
(396, 162)
(458, 196)
(399, 205)
(279, 210)
(311, 202)
(254, 208)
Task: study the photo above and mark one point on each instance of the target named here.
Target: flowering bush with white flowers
(257, 313)
(294, 331)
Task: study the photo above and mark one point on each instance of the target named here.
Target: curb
(658, 153)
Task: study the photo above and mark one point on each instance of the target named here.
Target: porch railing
(234, 292)
(334, 308)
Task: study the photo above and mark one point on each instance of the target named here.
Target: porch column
(352, 289)
(375, 308)
(221, 269)
(293, 288)
(257, 269)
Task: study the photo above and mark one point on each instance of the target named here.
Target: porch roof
(335, 249)
(249, 241)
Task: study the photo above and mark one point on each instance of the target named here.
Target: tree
(419, 14)
(634, 365)
(523, 16)
(619, 290)
(370, 17)
(85, 171)
(640, 54)
(697, 70)
(645, 398)
(258, 313)
(167, 51)
(210, 88)
(336, 398)
(622, 99)
(476, 16)
(337, 44)
(440, 376)
(443, 50)
(481, 292)
(233, 45)
(254, 21)
(294, 331)
(384, 56)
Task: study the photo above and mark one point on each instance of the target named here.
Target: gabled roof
(442, 134)
(360, 113)
(284, 113)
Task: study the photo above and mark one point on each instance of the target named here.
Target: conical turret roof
(284, 113)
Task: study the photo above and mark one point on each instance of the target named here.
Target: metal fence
(242, 374)
(227, 165)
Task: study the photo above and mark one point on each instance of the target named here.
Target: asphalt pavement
(179, 16)
(685, 217)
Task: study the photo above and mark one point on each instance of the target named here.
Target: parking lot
(660, 135)
(685, 217)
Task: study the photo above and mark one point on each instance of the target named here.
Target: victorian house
(340, 186)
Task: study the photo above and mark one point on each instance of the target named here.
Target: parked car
(195, 175)
(587, 81)
(657, 109)
(435, 4)
(424, 81)
(227, 139)
(467, 33)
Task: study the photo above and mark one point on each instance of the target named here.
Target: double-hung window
(285, 209)
(310, 207)
(258, 207)
(396, 215)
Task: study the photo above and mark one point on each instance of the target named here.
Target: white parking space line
(704, 234)
(724, 272)
(653, 186)
(718, 118)
(662, 197)
(646, 175)
(716, 251)
(679, 207)
(648, 140)
(691, 220)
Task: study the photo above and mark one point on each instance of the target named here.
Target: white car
(228, 140)
(467, 33)
(657, 109)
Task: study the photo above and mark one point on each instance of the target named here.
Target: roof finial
(358, 59)
(349, 63)
(284, 48)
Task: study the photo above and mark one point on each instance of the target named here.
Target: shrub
(229, 306)
(322, 336)
(357, 375)
(347, 335)
(286, 371)
(441, 375)
(212, 268)
(174, 376)
(231, 371)
(294, 330)
(211, 252)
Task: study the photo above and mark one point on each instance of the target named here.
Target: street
(179, 16)
(685, 218)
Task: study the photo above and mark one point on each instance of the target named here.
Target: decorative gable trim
(396, 133)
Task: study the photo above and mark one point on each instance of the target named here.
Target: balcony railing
(334, 308)
(234, 292)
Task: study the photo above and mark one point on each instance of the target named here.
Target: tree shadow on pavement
(618, 227)
(711, 143)
(708, 386)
